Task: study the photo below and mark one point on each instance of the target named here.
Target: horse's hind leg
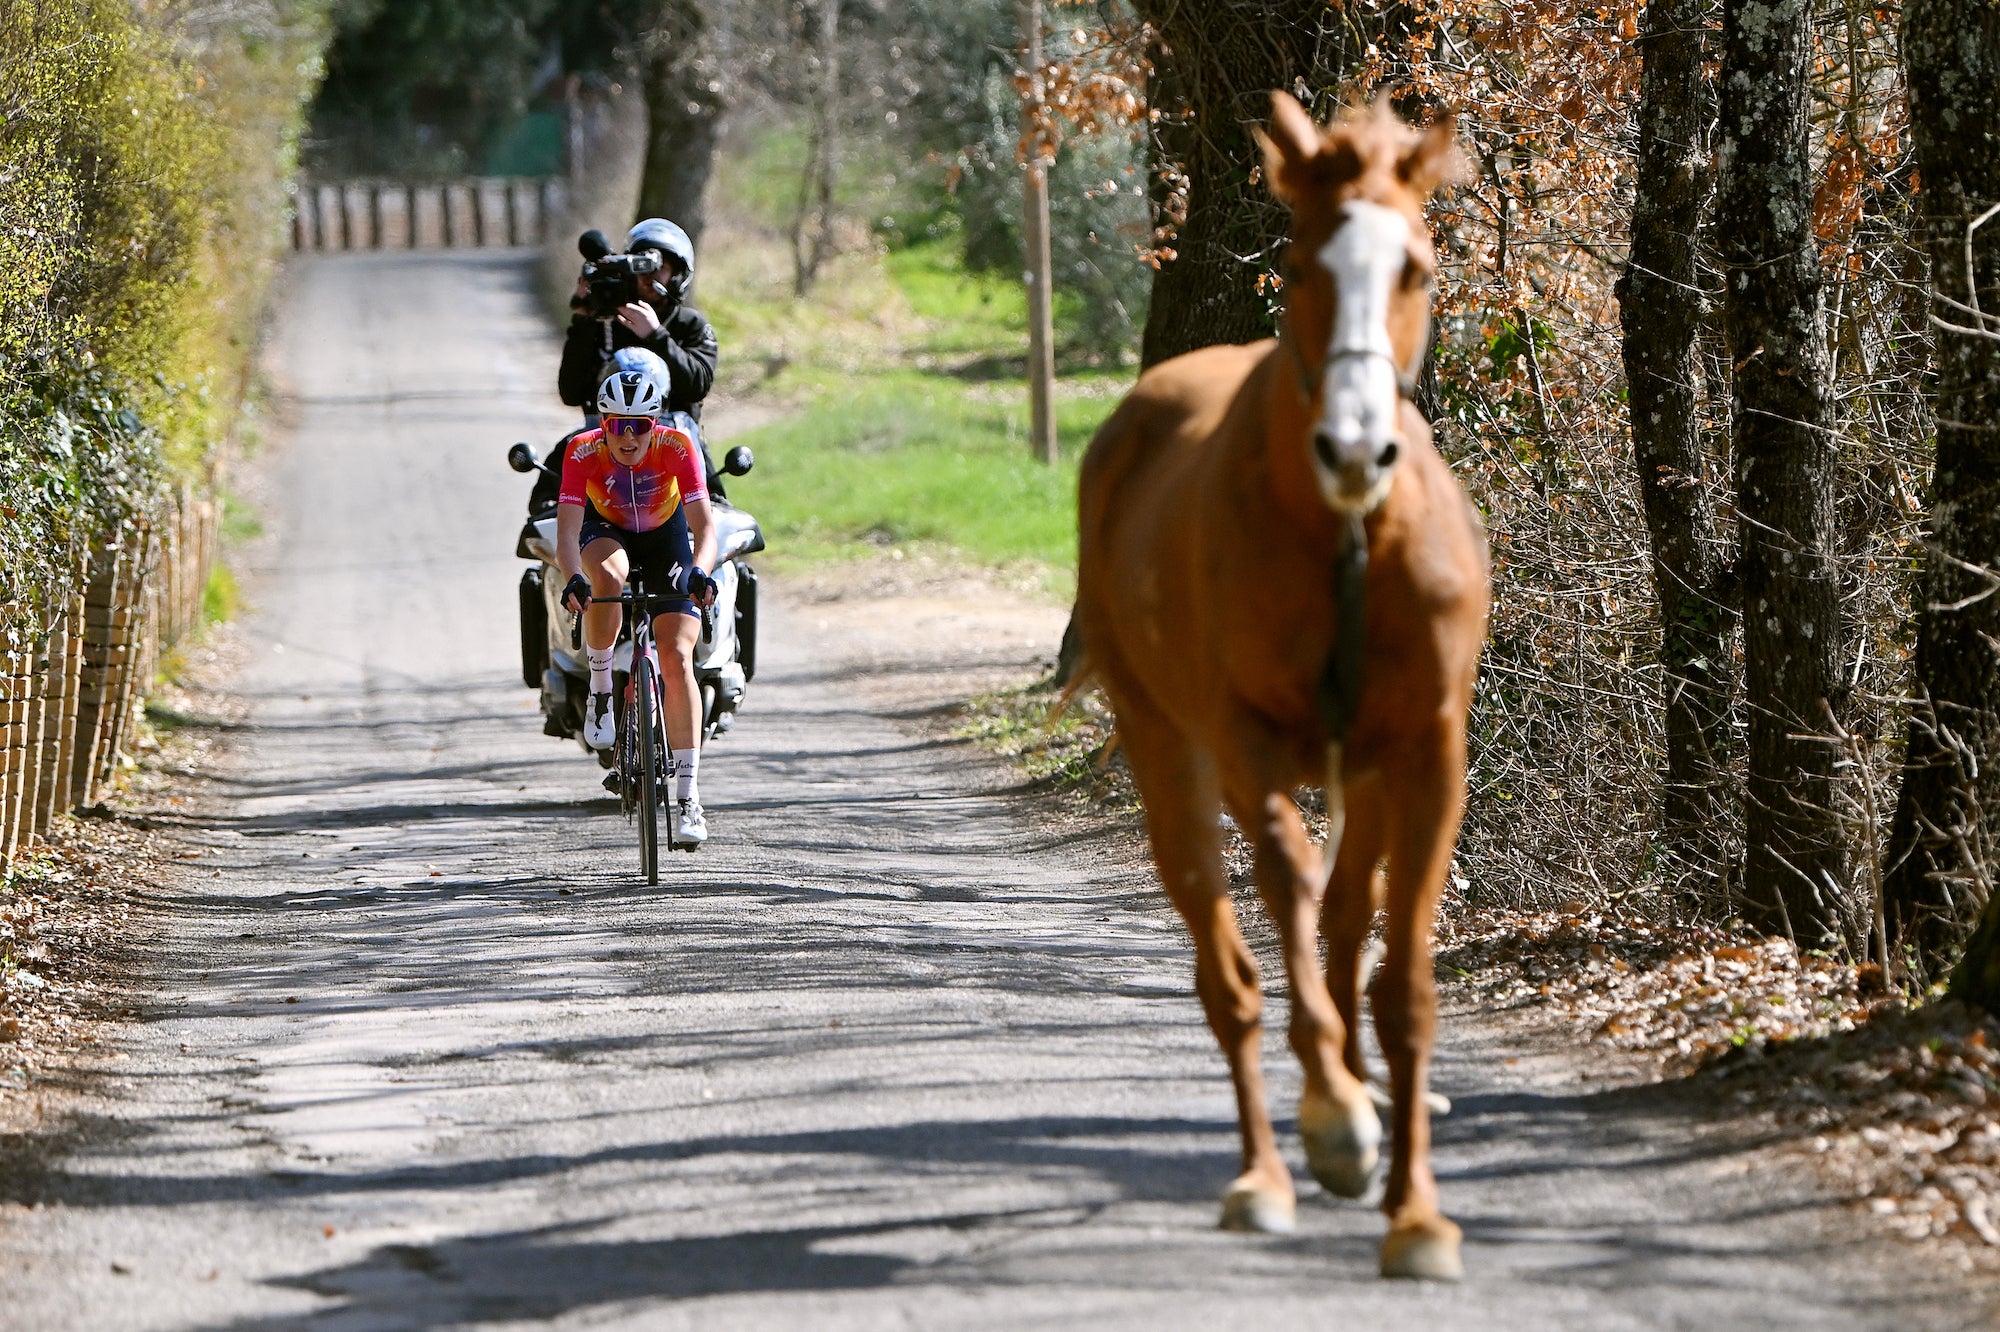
(1338, 1125)
(1183, 809)
(1426, 796)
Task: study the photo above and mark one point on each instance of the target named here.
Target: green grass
(220, 596)
(239, 521)
(905, 458)
(906, 406)
(967, 312)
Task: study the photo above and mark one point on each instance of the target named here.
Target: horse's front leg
(1338, 1125)
(1183, 808)
(1425, 800)
(1353, 899)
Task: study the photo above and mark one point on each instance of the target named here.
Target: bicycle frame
(644, 756)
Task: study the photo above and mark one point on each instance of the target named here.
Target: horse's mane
(1373, 131)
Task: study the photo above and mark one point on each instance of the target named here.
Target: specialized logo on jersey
(643, 496)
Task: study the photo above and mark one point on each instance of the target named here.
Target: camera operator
(656, 320)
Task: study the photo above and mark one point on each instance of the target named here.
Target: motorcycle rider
(661, 322)
(634, 494)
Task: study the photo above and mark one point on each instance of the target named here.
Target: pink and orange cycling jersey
(638, 498)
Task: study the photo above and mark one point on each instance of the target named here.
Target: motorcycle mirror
(522, 458)
(739, 460)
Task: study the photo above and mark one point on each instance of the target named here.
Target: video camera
(612, 279)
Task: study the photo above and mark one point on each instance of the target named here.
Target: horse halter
(1337, 692)
(1356, 256)
(1310, 378)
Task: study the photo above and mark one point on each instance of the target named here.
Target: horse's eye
(1416, 278)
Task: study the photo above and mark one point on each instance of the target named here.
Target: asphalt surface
(889, 1052)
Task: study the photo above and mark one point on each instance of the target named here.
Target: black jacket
(686, 342)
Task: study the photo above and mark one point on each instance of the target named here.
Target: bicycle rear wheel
(645, 722)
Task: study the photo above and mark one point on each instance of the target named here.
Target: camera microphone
(592, 245)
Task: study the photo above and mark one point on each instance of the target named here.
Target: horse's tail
(1079, 680)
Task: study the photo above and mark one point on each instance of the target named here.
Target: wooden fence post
(33, 733)
(131, 642)
(94, 695)
(59, 761)
(10, 780)
(54, 681)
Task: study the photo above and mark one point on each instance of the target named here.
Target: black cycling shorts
(653, 554)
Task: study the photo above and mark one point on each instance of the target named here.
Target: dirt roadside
(77, 911)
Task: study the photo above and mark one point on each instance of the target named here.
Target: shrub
(143, 165)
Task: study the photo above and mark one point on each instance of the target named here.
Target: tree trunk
(1660, 309)
(1940, 861)
(1218, 62)
(1797, 863)
(1215, 64)
(812, 232)
(682, 75)
(1039, 270)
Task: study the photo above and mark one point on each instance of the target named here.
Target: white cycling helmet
(630, 393)
(664, 236)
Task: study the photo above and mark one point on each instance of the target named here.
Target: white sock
(685, 761)
(600, 669)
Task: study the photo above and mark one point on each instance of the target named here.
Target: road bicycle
(643, 762)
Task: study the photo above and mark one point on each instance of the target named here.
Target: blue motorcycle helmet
(662, 235)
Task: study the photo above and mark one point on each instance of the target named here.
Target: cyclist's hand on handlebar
(690, 582)
(701, 588)
(576, 593)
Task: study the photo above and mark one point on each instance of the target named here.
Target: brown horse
(1226, 509)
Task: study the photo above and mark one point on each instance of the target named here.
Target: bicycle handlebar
(626, 598)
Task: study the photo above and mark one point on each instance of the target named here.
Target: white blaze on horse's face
(1358, 436)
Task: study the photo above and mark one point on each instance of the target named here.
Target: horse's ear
(1290, 145)
(1434, 160)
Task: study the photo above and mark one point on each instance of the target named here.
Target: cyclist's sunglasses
(629, 425)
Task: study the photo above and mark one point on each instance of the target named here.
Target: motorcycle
(725, 657)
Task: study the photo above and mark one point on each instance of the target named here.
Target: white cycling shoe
(693, 827)
(600, 722)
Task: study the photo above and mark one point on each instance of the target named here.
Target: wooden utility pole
(1035, 192)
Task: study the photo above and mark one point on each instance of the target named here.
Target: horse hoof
(1424, 1252)
(1254, 1207)
(1342, 1143)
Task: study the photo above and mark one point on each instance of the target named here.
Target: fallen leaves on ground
(1678, 995)
(1903, 1111)
(65, 911)
(1900, 1108)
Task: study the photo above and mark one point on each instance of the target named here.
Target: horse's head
(1360, 274)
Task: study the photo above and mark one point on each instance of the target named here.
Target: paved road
(886, 1054)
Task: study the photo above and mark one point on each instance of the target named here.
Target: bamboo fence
(73, 677)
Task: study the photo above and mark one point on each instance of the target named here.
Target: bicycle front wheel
(645, 722)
